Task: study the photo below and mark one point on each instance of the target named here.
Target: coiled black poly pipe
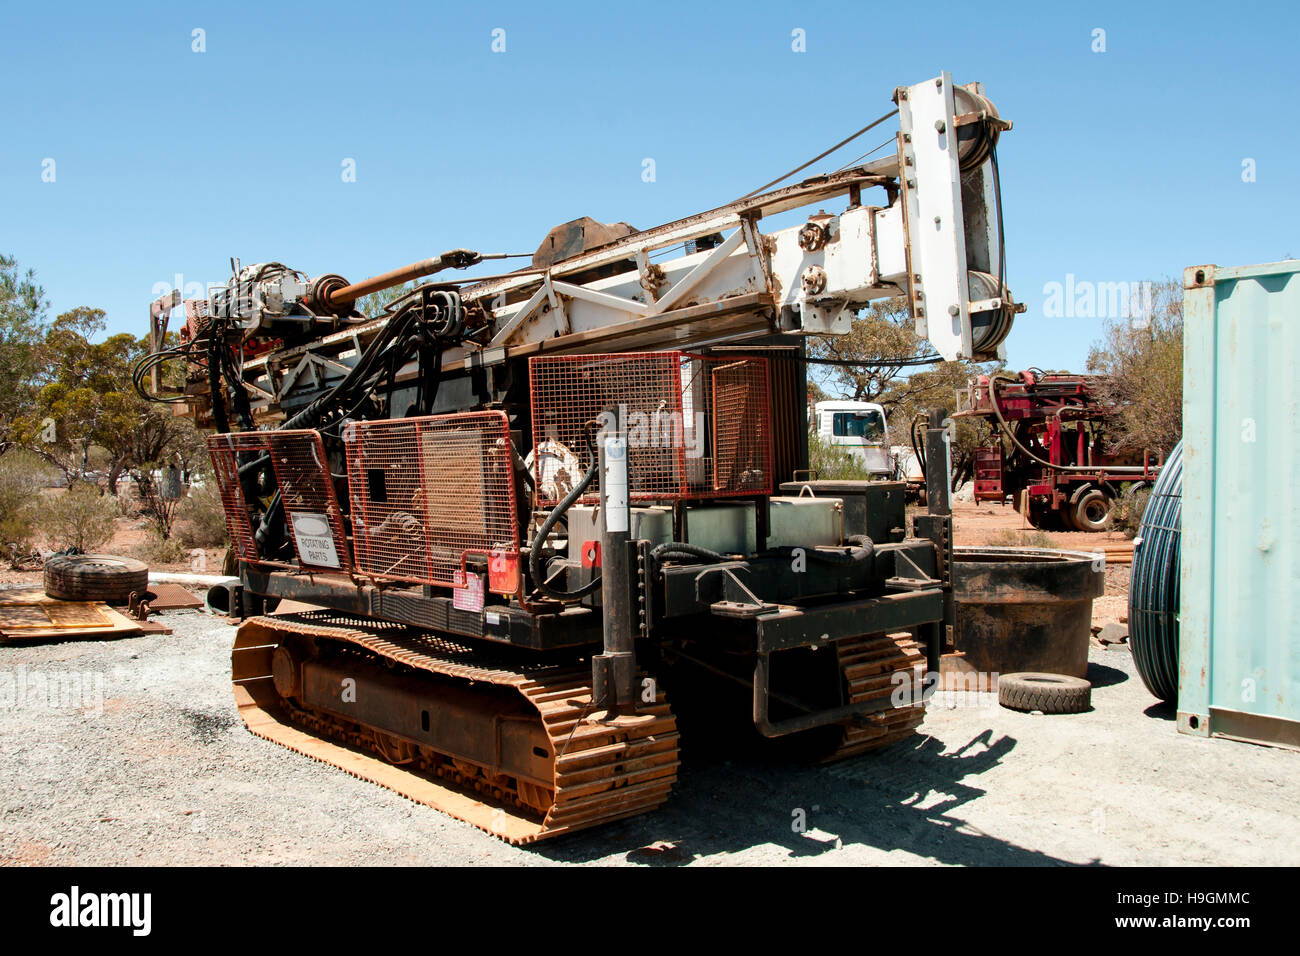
(1153, 587)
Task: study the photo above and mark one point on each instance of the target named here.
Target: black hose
(864, 548)
(272, 523)
(219, 418)
(917, 449)
(539, 539)
(238, 393)
(682, 549)
(1153, 585)
(430, 378)
(358, 380)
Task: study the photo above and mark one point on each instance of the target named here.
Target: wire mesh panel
(696, 426)
(427, 492)
(742, 448)
(302, 480)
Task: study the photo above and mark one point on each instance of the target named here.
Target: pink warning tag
(468, 592)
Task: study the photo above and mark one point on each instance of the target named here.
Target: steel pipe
(453, 259)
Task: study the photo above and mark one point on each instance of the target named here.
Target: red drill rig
(1053, 460)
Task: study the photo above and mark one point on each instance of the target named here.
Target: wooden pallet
(29, 614)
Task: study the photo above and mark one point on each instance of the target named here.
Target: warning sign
(468, 595)
(315, 540)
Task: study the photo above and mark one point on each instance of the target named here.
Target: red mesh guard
(427, 492)
(302, 475)
(696, 426)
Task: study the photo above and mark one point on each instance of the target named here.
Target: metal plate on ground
(171, 597)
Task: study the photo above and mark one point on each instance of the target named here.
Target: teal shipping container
(1239, 650)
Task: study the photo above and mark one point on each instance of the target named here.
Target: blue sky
(1123, 165)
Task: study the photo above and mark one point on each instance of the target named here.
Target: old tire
(95, 577)
(1049, 693)
(1092, 512)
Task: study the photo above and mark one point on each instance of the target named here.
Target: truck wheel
(1050, 693)
(95, 577)
(1092, 512)
(1040, 517)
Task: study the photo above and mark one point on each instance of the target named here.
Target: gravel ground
(163, 772)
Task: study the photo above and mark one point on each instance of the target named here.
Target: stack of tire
(103, 578)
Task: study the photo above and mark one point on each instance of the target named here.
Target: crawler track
(869, 665)
(600, 769)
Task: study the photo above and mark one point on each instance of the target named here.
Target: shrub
(202, 520)
(155, 549)
(80, 518)
(832, 462)
(159, 510)
(20, 488)
(128, 506)
(1128, 511)
(1008, 538)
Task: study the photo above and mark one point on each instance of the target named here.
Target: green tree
(1142, 363)
(374, 304)
(22, 326)
(82, 518)
(879, 352)
(937, 387)
(85, 391)
(68, 408)
(20, 501)
(878, 348)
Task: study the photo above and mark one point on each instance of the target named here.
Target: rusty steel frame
(302, 477)
(683, 398)
(453, 488)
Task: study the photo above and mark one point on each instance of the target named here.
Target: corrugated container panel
(1239, 659)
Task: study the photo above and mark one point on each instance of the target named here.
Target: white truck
(859, 429)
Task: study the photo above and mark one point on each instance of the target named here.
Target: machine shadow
(1102, 675)
(885, 800)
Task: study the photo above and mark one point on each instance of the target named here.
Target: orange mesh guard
(696, 426)
(428, 492)
(306, 490)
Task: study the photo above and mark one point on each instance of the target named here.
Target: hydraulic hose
(318, 411)
(682, 549)
(539, 539)
(219, 417)
(917, 449)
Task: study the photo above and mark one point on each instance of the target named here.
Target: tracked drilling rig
(531, 509)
